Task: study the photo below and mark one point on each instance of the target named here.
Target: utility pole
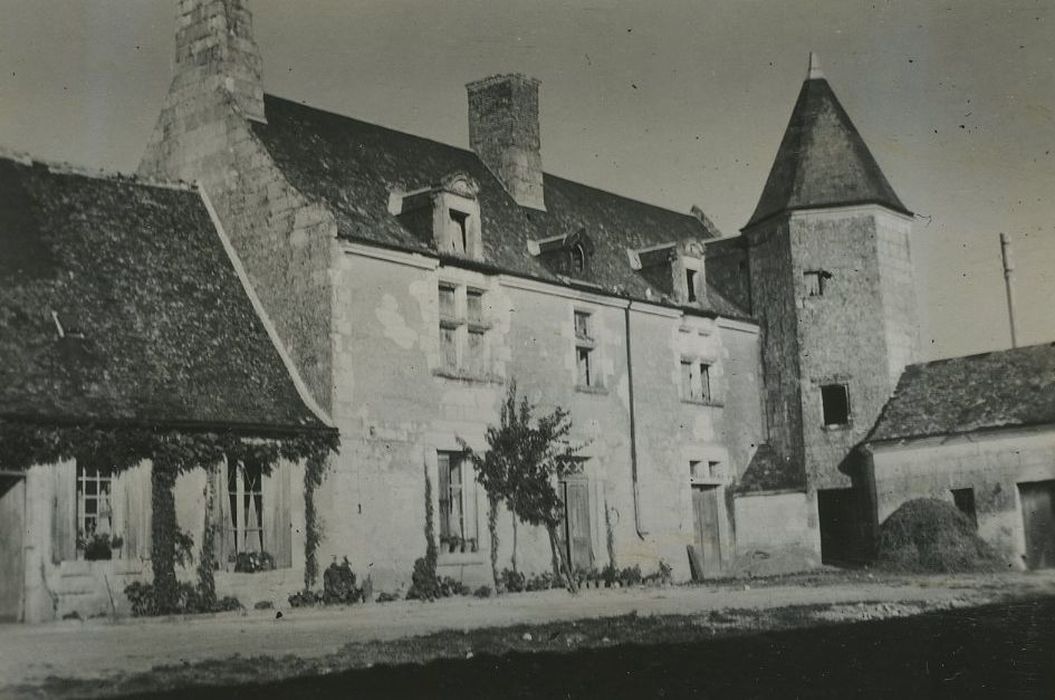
(1009, 271)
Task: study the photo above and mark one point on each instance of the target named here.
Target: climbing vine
(207, 560)
(315, 469)
(25, 444)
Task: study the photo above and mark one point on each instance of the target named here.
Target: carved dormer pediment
(567, 255)
(445, 215)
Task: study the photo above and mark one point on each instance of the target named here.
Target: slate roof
(353, 166)
(768, 471)
(169, 335)
(822, 161)
(963, 394)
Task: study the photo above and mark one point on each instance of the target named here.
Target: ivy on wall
(172, 453)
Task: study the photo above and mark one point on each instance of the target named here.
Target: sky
(676, 103)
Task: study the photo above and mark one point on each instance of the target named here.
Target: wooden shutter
(132, 489)
(578, 524)
(64, 512)
(444, 462)
(469, 501)
(278, 539)
(221, 514)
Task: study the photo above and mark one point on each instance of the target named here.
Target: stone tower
(210, 132)
(830, 279)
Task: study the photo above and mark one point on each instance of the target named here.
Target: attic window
(67, 325)
(578, 258)
(815, 282)
(690, 284)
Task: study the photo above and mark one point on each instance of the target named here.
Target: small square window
(835, 400)
(695, 469)
(447, 304)
(474, 304)
(583, 366)
(695, 381)
(815, 282)
(582, 325)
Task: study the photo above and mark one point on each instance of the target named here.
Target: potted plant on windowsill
(253, 562)
(100, 546)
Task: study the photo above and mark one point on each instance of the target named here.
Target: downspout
(633, 427)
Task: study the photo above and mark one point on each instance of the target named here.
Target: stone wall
(992, 463)
(769, 522)
(396, 408)
(771, 272)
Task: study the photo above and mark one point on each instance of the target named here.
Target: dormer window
(565, 254)
(674, 270)
(690, 285)
(446, 215)
(459, 235)
(578, 258)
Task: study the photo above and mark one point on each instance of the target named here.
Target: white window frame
(586, 346)
(97, 478)
(240, 502)
(463, 325)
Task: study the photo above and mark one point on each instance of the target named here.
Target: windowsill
(837, 427)
(704, 402)
(462, 375)
(598, 390)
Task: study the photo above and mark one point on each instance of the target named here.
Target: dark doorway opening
(843, 526)
(12, 561)
(964, 500)
(1038, 517)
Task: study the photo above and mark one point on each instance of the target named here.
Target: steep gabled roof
(119, 304)
(1001, 389)
(353, 167)
(822, 160)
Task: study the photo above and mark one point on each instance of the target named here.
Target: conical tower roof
(822, 160)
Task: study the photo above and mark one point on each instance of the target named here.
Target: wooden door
(1038, 516)
(577, 524)
(12, 563)
(708, 543)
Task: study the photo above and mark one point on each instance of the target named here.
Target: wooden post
(1009, 271)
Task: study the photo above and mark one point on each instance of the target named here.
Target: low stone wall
(776, 520)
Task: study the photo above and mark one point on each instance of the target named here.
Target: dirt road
(102, 648)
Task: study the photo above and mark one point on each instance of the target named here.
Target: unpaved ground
(100, 649)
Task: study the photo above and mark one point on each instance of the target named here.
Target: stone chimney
(215, 49)
(504, 133)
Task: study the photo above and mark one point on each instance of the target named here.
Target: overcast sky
(677, 103)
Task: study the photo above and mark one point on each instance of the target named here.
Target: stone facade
(398, 408)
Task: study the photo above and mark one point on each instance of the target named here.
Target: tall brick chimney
(504, 133)
(215, 48)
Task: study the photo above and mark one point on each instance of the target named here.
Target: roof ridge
(470, 152)
(984, 353)
(60, 167)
